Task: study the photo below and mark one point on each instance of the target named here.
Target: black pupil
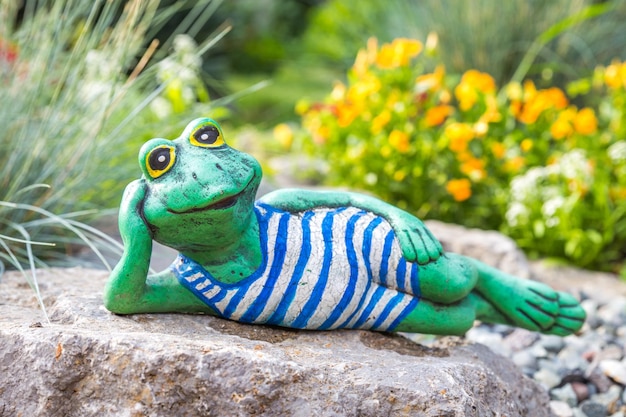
(207, 135)
(159, 159)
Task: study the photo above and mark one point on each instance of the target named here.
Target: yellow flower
(339, 92)
(526, 145)
(398, 53)
(466, 95)
(514, 165)
(498, 150)
(562, 126)
(437, 115)
(514, 91)
(380, 121)
(585, 121)
(363, 89)
(459, 189)
(473, 82)
(615, 75)
(459, 134)
(399, 140)
(284, 135)
(399, 175)
(365, 57)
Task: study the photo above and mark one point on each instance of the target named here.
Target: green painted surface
(197, 196)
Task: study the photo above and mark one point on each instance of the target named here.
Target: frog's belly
(324, 269)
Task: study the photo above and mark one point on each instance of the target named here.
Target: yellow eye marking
(160, 160)
(208, 135)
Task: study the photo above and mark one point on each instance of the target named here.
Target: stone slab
(89, 362)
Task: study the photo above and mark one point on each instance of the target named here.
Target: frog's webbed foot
(537, 307)
(570, 318)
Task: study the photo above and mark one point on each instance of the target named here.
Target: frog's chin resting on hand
(301, 258)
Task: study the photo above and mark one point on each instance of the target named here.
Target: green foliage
(81, 88)
(481, 34)
(520, 159)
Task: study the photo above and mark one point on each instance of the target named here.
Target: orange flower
(398, 53)
(399, 140)
(437, 115)
(459, 189)
(431, 82)
(346, 113)
(585, 121)
(539, 101)
(474, 168)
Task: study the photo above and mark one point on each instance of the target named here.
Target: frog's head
(199, 191)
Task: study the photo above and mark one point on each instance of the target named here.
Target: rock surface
(88, 362)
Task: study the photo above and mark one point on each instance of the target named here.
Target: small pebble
(599, 380)
(551, 343)
(616, 370)
(548, 378)
(565, 394)
(610, 399)
(561, 409)
(525, 359)
(581, 390)
(594, 409)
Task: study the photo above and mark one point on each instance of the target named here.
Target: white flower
(517, 213)
(550, 207)
(617, 151)
(574, 165)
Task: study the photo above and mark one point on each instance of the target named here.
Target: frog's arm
(417, 242)
(130, 289)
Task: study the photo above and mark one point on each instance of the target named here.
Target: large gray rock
(488, 246)
(88, 362)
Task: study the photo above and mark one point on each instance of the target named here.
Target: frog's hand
(130, 289)
(416, 241)
(127, 282)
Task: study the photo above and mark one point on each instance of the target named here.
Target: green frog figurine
(299, 258)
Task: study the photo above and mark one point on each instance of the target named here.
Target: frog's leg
(456, 282)
(449, 319)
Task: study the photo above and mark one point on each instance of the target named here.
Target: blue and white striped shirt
(321, 269)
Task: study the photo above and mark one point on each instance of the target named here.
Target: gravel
(585, 374)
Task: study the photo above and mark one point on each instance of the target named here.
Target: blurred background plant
(521, 159)
(494, 98)
(82, 86)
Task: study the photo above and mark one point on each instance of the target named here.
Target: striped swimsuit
(321, 269)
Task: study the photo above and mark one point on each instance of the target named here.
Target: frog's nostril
(195, 177)
(218, 166)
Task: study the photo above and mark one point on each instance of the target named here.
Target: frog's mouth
(220, 204)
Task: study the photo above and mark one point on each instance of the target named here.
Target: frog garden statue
(299, 258)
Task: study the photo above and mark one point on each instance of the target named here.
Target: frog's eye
(207, 136)
(160, 160)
